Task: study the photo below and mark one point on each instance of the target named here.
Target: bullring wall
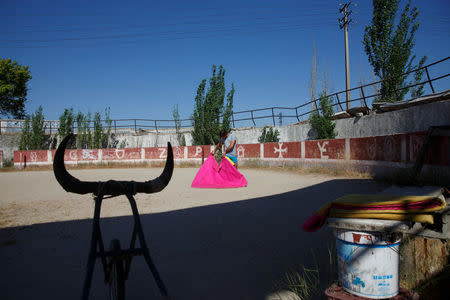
(373, 154)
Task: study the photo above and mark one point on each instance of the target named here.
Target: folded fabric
(213, 175)
(403, 208)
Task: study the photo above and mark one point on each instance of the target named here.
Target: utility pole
(343, 23)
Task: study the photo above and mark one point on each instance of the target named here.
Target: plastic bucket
(368, 263)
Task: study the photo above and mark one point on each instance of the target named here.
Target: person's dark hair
(223, 133)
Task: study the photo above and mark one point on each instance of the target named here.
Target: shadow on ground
(238, 250)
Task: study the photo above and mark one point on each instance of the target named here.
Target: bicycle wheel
(116, 280)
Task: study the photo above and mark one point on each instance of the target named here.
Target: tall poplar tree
(211, 114)
(389, 47)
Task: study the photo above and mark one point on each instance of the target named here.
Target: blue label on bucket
(358, 281)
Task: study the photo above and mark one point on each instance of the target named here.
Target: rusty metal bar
(252, 118)
(339, 102)
(273, 117)
(363, 97)
(429, 80)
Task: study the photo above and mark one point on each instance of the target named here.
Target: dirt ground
(206, 243)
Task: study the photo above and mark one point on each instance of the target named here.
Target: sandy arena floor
(206, 243)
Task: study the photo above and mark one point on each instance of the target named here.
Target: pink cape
(212, 175)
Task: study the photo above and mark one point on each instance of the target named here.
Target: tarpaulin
(213, 175)
(403, 208)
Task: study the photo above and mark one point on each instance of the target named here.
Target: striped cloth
(402, 208)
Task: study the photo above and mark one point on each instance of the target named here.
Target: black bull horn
(73, 185)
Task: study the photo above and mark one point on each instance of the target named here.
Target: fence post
(363, 96)
(429, 80)
(339, 102)
(232, 119)
(156, 127)
(135, 126)
(115, 127)
(273, 117)
(296, 114)
(252, 118)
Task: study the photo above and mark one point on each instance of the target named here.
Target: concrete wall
(376, 155)
(412, 119)
(8, 144)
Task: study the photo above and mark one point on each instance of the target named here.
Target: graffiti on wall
(121, 154)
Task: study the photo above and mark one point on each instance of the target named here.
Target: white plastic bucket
(368, 263)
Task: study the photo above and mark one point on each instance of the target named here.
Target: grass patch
(309, 281)
(335, 170)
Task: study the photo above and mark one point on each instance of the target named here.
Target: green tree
(37, 130)
(228, 110)
(83, 131)
(13, 88)
(176, 118)
(89, 138)
(198, 116)
(268, 135)
(210, 114)
(66, 122)
(106, 133)
(33, 131)
(321, 118)
(417, 90)
(389, 46)
(25, 137)
(98, 131)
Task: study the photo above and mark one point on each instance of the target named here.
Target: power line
(179, 36)
(188, 22)
(269, 26)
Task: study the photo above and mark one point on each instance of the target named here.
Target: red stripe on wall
(325, 149)
(378, 148)
(282, 150)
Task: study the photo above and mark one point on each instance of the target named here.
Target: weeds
(307, 282)
(338, 170)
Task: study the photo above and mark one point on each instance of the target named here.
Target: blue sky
(140, 58)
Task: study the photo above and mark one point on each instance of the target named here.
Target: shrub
(268, 135)
(321, 119)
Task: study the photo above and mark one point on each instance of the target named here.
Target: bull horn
(67, 181)
(158, 184)
(72, 184)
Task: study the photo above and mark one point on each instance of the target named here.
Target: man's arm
(217, 147)
(231, 146)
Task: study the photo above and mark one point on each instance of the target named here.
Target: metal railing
(253, 117)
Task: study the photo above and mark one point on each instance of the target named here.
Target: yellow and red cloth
(403, 208)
